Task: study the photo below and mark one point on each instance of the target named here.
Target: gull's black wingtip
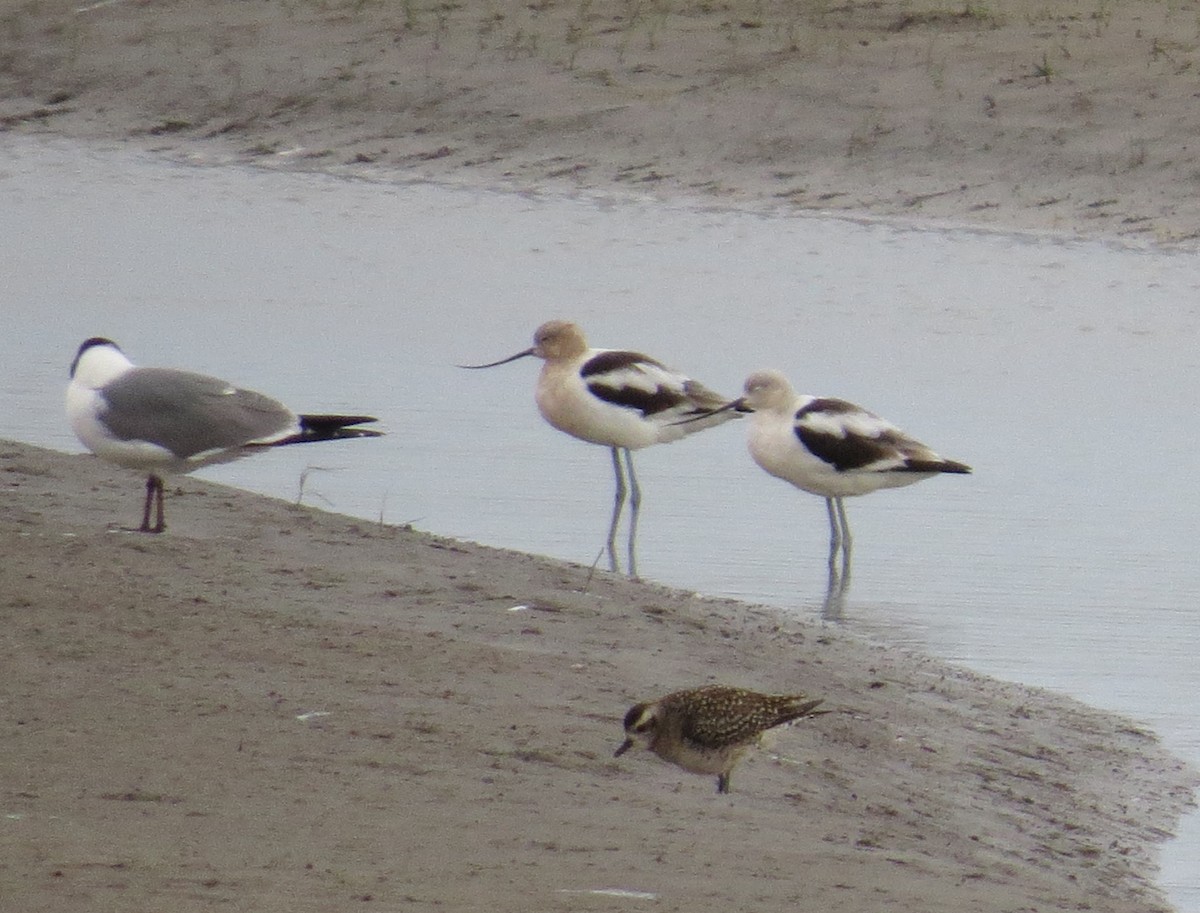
(336, 427)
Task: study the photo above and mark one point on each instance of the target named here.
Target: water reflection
(834, 603)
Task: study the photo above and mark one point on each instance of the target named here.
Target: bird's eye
(644, 727)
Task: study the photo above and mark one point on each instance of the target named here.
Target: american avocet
(832, 448)
(162, 421)
(622, 400)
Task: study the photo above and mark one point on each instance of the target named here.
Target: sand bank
(1077, 116)
(275, 708)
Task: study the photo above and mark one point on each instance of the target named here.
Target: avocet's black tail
(938, 465)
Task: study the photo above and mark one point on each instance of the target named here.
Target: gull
(831, 448)
(163, 422)
(621, 400)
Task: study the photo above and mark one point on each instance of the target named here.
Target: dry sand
(1067, 115)
(271, 708)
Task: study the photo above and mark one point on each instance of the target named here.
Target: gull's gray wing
(189, 413)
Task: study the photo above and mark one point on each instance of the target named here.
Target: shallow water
(1065, 373)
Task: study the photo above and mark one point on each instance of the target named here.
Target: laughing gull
(162, 421)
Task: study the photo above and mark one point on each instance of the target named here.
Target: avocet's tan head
(558, 339)
(766, 391)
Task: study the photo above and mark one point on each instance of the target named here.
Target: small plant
(577, 32)
(1137, 157)
(410, 14)
(304, 484)
(442, 13)
(488, 26)
(1044, 70)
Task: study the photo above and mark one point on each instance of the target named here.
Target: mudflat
(1077, 116)
(273, 708)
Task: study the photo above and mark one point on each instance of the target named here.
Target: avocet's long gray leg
(847, 541)
(835, 532)
(618, 506)
(839, 578)
(635, 503)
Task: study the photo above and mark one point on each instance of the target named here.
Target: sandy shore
(1077, 116)
(274, 708)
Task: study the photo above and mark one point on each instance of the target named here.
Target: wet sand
(1050, 115)
(273, 708)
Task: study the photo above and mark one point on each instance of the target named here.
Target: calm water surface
(1065, 373)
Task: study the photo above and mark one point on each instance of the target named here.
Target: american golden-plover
(707, 730)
